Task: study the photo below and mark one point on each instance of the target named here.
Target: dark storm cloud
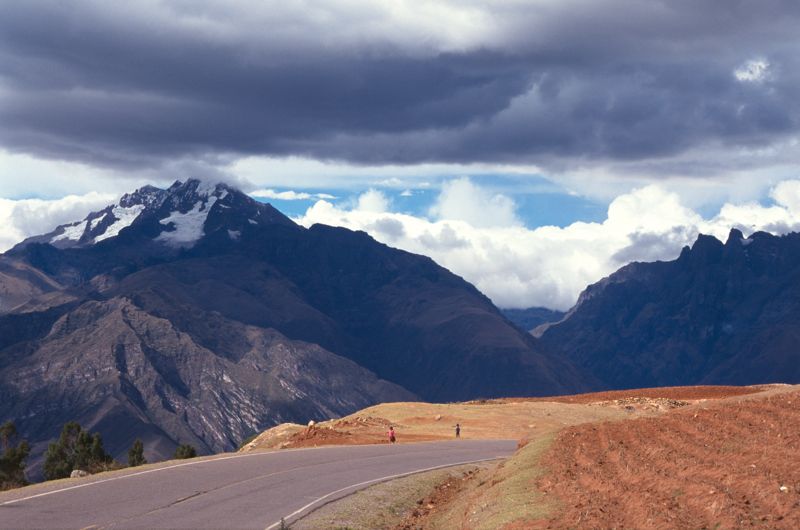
(551, 82)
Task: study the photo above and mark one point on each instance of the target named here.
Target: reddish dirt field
(727, 464)
(668, 392)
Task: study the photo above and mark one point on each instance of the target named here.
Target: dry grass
(379, 506)
(502, 495)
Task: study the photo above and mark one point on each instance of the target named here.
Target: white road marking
(195, 462)
(87, 484)
(286, 518)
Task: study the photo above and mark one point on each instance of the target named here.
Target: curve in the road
(253, 490)
(353, 488)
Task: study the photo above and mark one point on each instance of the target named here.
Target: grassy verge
(381, 506)
(502, 496)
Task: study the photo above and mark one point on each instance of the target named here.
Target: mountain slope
(532, 317)
(198, 315)
(719, 314)
(129, 374)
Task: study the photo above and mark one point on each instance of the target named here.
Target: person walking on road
(390, 434)
(458, 430)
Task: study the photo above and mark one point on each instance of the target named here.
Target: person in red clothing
(390, 434)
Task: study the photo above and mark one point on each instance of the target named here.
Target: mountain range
(195, 314)
(721, 313)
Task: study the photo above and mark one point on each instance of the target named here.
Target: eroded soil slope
(726, 464)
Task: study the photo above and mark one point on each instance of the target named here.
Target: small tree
(136, 454)
(75, 449)
(185, 451)
(12, 460)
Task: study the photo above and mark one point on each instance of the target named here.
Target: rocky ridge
(722, 313)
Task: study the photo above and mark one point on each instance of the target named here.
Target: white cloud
(25, 176)
(28, 217)
(373, 201)
(787, 194)
(297, 172)
(549, 266)
(462, 200)
(753, 71)
(289, 195)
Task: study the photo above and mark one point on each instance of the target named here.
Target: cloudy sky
(530, 146)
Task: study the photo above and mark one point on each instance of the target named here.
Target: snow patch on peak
(72, 232)
(124, 218)
(206, 188)
(187, 227)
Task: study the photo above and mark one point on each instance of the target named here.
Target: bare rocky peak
(148, 196)
(721, 313)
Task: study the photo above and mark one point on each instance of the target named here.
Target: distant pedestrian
(390, 434)
(458, 430)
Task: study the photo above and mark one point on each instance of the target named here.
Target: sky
(530, 146)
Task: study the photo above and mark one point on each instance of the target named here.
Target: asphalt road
(252, 490)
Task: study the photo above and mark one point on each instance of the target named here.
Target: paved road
(233, 491)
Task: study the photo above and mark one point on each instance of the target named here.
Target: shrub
(12, 460)
(136, 454)
(185, 451)
(76, 449)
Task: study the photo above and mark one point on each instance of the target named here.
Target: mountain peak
(177, 217)
(735, 236)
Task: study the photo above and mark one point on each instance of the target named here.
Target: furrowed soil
(730, 464)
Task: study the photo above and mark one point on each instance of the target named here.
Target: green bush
(136, 454)
(76, 449)
(12, 460)
(185, 451)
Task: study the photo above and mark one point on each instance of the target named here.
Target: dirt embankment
(417, 422)
(683, 393)
(510, 418)
(730, 464)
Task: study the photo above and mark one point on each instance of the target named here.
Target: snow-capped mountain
(177, 217)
